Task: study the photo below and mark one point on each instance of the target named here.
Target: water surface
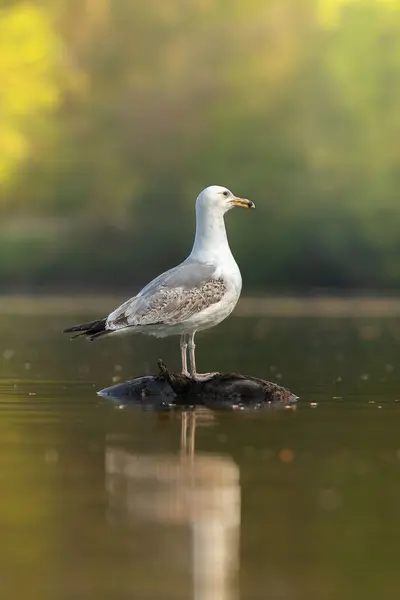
(101, 503)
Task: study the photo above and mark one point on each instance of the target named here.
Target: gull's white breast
(209, 317)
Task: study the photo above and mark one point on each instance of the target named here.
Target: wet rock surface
(229, 391)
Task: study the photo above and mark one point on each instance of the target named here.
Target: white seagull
(197, 294)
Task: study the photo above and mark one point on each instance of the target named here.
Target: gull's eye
(226, 194)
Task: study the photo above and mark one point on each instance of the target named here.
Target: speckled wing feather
(171, 298)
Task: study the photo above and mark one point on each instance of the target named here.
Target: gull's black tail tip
(91, 330)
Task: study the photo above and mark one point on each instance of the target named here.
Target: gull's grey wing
(171, 298)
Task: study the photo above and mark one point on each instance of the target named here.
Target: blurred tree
(28, 51)
(130, 109)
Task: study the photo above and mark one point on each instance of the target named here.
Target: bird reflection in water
(199, 491)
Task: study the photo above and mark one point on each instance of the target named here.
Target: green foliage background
(115, 114)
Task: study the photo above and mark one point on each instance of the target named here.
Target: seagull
(197, 294)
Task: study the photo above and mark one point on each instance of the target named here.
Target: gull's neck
(210, 243)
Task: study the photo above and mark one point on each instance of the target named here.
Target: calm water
(101, 503)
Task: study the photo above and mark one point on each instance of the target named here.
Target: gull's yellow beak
(243, 202)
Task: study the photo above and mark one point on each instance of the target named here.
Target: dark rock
(228, 391)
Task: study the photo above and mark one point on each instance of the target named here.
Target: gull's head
(218, 200)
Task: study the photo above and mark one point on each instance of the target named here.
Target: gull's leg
(184, 355)
(192, 360)
(192, 356)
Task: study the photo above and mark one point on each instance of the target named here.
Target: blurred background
(115, 114)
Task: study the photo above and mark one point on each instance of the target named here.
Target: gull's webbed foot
(203, 376)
